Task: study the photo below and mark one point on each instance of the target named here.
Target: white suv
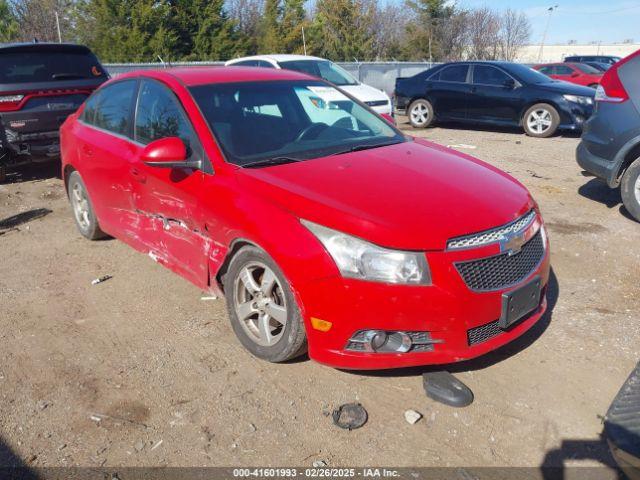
(319, 67)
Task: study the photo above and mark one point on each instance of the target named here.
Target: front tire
(263, 311)
(83, 213)
(630, 189)
(541, 120)
(420, 113)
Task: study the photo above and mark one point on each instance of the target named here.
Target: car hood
(414, 195)
(567, 88)
(365, 93)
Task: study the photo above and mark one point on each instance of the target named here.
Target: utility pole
(546, 29)
(58, 27)
(304, 43)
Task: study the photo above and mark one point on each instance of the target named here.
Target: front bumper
(26, 148)
(574, 115)
(448, 309)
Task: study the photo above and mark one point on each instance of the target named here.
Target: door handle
(87, 150)
(138, 175)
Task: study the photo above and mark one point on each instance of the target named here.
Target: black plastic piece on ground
(445, 388)
(350, 416)
(622, 425)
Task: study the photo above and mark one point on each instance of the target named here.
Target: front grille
(504, 270)
(491, 236)
(483, 333)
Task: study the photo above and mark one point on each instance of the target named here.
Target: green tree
(342, 30)
(425, 32)
(8, 23)
(270, 34)
(216, 38)
(294, 19)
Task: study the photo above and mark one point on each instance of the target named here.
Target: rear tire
(262, 308)
(630, 189)
(83, 213)
(420, 113)
(541, 120)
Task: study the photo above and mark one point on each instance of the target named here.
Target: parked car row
(493, 93)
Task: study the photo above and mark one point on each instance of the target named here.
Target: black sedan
(493, 93)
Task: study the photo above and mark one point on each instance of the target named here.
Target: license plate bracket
(518, 303)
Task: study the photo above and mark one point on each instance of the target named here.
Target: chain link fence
(381, 75)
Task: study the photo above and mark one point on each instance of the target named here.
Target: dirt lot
(139, 370)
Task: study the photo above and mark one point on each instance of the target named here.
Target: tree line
(341, 30)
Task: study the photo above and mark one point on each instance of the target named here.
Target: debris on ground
(98, 280)
(463, 146)
(319, 463)
(443, 387)
(156, 445)
(411, 416)
(350, 416)
(139, 446)
(206, 298)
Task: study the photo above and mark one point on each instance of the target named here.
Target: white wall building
(556, 53)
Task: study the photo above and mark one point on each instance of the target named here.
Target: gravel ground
(140, 371)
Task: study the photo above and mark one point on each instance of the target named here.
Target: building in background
(556, 53)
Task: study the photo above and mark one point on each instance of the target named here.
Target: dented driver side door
(165, 199)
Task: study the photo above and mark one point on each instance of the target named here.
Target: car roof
(45, 46)
(277, 57)
(191, 76)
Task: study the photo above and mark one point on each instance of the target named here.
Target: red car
(326, 228)
(578, 73)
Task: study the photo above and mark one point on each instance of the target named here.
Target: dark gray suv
(610, 145)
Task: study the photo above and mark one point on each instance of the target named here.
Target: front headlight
(357, 258)
(579, 99)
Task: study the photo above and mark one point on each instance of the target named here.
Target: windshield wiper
(57, 76)
(271, 161)
(357, 148)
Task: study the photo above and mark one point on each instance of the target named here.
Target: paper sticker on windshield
(329, 94)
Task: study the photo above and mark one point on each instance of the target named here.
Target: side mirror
(509, 83)
(167, 152)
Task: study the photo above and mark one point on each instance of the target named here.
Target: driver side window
(159, 115)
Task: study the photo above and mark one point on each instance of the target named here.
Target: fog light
(379, 341)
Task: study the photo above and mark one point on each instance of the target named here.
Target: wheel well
(236, 245)
(631, 156)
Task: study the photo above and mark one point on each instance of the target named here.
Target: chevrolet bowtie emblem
(513, 244)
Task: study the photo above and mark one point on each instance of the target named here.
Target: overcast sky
(582, 20)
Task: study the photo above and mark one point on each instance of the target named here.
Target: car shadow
(404, 124)
(12, 467)
(554, 466)
(489, 359)
(598, 191)
(34, 172)
(13, 222)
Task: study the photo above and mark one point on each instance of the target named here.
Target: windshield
(584, 68)
(527, 74)
(299, 120)
(29, 67)
(324, 69)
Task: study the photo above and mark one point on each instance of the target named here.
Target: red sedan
(578, 73)
(326, 228)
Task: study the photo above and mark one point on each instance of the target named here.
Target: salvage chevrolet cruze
(326, 228)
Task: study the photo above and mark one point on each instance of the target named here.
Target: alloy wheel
(81, 207)
(419, 114)
(539, 121)
(260, 304)
(636, 190)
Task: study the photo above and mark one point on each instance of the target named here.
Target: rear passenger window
(454, 73)
(562, 70)
(113, 109)
(159, 115)
(89, 112)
